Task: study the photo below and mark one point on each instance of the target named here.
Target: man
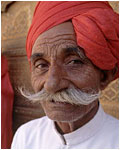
(73, 53)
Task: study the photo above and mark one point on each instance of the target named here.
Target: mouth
(58, 102)
(60, 106)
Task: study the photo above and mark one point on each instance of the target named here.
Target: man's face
(57, 64)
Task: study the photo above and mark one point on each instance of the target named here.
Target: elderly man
(73, 52)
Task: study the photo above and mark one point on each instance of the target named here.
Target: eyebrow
(75, 50)
(36, 55)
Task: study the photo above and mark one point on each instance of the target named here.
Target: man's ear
(106, 77)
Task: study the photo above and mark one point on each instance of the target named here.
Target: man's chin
(62, 111)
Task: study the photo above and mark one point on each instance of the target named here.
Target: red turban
(95, 23)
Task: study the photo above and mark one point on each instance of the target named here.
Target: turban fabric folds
(95, 23)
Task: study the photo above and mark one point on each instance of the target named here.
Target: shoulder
(109, 123)
(110, 131)
(112, 124)
(29, 131)
(32, 127)
(36, 123)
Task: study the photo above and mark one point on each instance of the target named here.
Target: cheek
(85, 78)
(37, 82)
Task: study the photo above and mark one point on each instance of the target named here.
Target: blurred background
(15, 21)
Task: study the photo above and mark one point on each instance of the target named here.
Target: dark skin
(57, 63)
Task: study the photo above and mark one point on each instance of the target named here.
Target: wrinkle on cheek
(37, 82)
(92, 78)
(84, 77)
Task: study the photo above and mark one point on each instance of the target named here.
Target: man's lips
(60, 106)
(58, 102)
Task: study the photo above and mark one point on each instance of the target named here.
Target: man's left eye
(76, 61)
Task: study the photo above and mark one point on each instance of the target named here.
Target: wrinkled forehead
(64, 31)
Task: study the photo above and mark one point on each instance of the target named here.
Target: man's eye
(76, 61)
(41, 66)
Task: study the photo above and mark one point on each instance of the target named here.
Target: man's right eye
(40, 66)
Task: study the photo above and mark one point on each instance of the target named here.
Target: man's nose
(55, 81)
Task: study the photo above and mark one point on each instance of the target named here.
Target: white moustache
(70, 95)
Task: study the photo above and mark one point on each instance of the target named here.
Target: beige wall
(16, 18)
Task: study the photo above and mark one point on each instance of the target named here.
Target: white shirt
(99, 133)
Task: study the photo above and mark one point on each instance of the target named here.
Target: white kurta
(99, 133)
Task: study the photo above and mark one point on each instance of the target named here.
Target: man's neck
(67, 127)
